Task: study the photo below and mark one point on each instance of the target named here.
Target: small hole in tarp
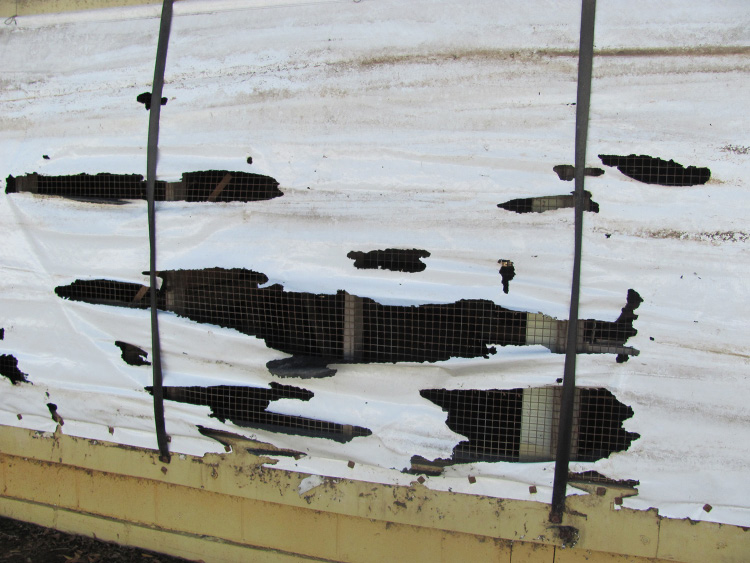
(9, 369)
(394, 259)
(651, 170)
(507, 273)
(567, 172)
(55, 415)
(132, 354)
(145, 99)
(548, 203)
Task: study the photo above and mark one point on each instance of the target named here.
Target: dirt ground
(27, 543)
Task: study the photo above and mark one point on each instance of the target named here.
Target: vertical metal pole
(151, 160)
(585, 60)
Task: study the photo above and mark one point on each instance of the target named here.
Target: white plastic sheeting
(392, 124)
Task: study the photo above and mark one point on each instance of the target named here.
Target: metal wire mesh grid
(108, 292)
(208, 186)
(651, 170)
(437, 332)
(349, 328)
(490, 420)
(510, 425)
(600, 429)
(522, 424)
(82, 186)
(547, 203)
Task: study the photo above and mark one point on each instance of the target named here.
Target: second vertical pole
(585, 63)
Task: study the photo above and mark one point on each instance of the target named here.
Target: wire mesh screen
(651, 170)
(490, 420)
(547, 203)
(109, 292)
(81, 186)
(208, 186)
(221, 185)
(339, 326)
(318, 329)
(437, 332)
(600, 429)
(522, 424)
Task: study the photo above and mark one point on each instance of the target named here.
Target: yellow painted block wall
(232, 508)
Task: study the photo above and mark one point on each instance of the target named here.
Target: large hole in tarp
(308, 324)
(145, 99)
(394, 259)
(548, 203)
(521, 425)
(651, 170)
(342, 327)
(246, 406)
(9, 369)
(206, 186)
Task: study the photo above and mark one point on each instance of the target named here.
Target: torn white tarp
(392, 125)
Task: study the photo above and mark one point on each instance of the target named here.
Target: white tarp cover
(393, 124)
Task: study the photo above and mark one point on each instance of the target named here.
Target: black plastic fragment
(9, 369)
(596, 477)
(145, 99)
(133, 355)
(651, 170)
(2, 333)
(394, 259)
(507, 272)
(567, 172)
